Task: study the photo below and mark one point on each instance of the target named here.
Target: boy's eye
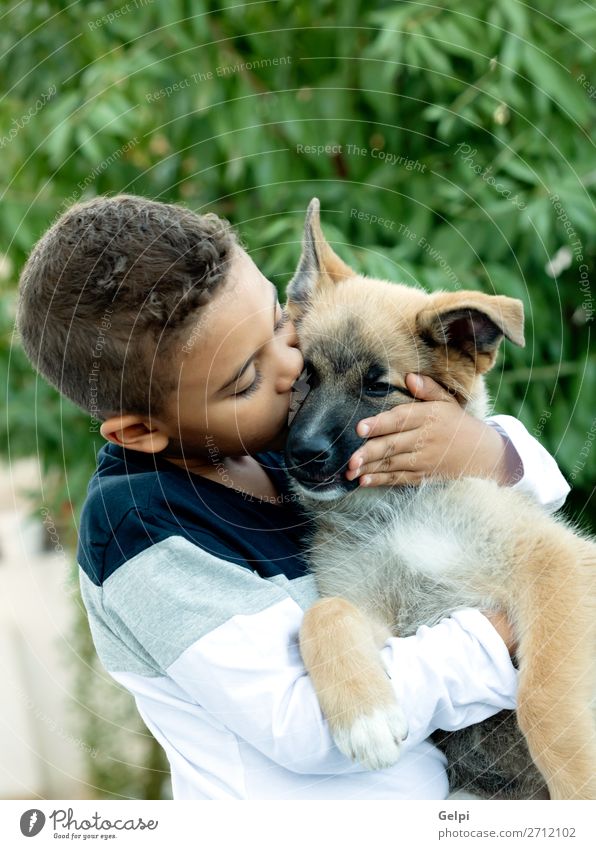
(257, 381)
(252, 388)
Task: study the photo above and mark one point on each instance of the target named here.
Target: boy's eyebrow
(241, 371)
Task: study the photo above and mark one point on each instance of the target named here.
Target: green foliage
(223, 106)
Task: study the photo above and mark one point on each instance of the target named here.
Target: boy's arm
(229, 639)
(540, 475)
(413, 441)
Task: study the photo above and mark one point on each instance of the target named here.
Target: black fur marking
(428, 339)
(491, 759)
(470, 327)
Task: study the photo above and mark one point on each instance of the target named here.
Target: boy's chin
(279, 441)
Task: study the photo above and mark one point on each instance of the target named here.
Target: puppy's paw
(374, 740)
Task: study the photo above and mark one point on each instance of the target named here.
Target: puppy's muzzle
(316, 463)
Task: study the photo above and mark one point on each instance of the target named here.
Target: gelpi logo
(32, 822)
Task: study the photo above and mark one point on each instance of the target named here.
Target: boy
(191, 544)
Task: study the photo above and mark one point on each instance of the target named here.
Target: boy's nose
(293, 369)
(298, 365)
(292, 334)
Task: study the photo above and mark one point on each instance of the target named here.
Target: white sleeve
(249, 674)
(452, 675)
(540, 476)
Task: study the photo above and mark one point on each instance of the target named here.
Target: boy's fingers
(392, 464)
(397, 478)
(382, 449)
(406, 416)
(400, 418)
(425, 388)
(406, 462)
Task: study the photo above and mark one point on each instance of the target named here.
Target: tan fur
(343, 678)
(547, 582)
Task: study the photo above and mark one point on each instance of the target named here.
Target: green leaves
(553, 78)
(251, 114)
(466, 128)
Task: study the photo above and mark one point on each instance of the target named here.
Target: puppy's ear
(319, 265)
(473, 324)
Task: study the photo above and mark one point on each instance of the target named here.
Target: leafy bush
(452, 146)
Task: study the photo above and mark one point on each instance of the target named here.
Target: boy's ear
(129, 431)
(319, 265)
(473, 324)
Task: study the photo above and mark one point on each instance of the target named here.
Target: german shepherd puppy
(389, 559)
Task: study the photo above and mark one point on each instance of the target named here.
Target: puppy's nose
(317, 451)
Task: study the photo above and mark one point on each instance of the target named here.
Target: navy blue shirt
(135, 500)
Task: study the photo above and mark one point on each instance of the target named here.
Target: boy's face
(236, 370)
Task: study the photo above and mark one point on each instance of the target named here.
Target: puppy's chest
(403, 548)
(409, 544)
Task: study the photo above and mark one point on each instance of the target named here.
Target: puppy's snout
(315, 453)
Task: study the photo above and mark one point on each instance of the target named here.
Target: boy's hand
(413, 441)
(502, 625)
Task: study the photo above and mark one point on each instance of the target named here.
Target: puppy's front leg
(340, 649)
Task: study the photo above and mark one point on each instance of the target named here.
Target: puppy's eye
(378, 389)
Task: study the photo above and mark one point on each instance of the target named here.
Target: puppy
(387, 560)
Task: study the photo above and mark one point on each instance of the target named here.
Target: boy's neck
(243, 473)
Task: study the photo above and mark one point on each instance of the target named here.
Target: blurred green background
(451, 144)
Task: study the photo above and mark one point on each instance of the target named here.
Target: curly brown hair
(107, 293)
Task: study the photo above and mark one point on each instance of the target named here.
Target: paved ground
(39, 753)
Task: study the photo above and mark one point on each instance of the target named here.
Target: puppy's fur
(387, 560)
